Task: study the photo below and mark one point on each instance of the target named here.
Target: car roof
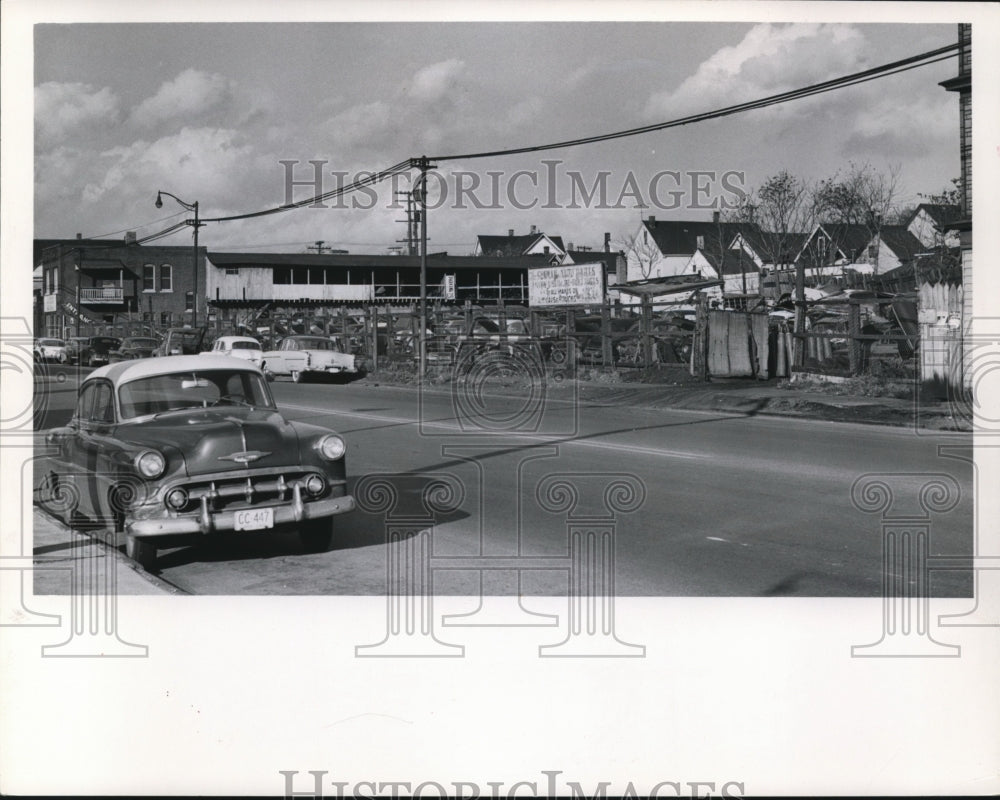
(125, 371)
(237, 339)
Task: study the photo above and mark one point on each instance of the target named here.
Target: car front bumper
(206, 521)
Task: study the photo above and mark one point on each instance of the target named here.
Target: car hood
(220, 439)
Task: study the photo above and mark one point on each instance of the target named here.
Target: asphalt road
(693, 503)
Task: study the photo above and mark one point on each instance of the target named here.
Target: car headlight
(150, 464)
(331, 447)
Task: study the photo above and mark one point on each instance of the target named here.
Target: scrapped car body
(181, 342)
(50, 350)
(243, 347)
(133, 347)
(96, 350)
(174, 449)
(302, 357)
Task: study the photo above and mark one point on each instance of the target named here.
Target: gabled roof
(940, 213)
(902, 243)
(513, 245)
(680, 237)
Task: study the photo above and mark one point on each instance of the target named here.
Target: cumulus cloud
(71, 109)
(769, 59)
(435, 81)
(189, 96)
(196, 159)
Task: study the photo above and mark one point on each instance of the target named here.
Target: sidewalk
(70, 562)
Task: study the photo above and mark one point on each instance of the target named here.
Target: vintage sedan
(302, 357)
(238, 347)
(50, 350)
(172, 450)
(133, 347)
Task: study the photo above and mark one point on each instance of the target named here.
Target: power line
(885, 70)
(817, 88)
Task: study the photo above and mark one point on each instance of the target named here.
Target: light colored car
(237, 347)
(302, 357)
(175, 449)
(50, 350)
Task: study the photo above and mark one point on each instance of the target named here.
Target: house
(702, 249)
(530, 244)
(932, 224)
(94, 285)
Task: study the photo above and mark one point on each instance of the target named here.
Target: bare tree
(640, 251)
(861, 198)
(775, 217)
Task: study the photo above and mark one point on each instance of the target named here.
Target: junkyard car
(301, 357)
(133, 347)
(238, 347)
(96, 350)
(175, 449)
(50, 350)
(181, 342)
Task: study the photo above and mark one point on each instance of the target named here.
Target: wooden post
(607, 352)
(646, 329)
(571, 343)
(699, 343)
(855, 345)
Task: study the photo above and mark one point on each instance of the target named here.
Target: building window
(821, 246)
(232, 270)
(148, 278)
(166, 278)
(701, 243)
(282, 275)
(165, 318)
(188, 301)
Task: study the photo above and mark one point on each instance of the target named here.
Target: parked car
(244, 347)
(75, 345)
(302, 357)
(181, 342)
(95, 351)
(178, 448)
(50, 350)
(133, 347)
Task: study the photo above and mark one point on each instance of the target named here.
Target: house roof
(680, 237)
(940, 213)
(514, 245)
(434, 260)
(670, 284)
(903, 243)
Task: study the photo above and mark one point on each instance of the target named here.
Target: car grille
(229, 493)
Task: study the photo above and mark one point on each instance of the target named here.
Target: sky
(210, 111)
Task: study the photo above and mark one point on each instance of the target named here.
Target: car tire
(268, 375)
(316, 535)
(296, 376)
(142, 551)
(91, 362)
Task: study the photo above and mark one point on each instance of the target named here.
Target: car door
(94, 446)
(69, 466)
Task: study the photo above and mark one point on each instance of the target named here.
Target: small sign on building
(448, 287)
(572, 285)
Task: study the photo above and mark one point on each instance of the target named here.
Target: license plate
(254, 519)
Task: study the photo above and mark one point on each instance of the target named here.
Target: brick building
(105, 286)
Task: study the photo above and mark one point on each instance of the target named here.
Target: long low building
(249, 280)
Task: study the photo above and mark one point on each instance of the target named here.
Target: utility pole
(411, 223)
(318, 247)
(423, 165)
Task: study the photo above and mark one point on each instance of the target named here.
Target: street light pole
(190, 207)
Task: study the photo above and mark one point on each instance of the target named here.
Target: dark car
(181, 342)
(96, 350)
(134, 347)
(176, 449)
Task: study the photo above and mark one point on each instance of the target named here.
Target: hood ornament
(245, 456)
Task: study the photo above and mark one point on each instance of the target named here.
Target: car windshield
(246, 345)
(141, 342)
(51, 343)
(175, 391)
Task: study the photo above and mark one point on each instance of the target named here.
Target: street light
(190, 207)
